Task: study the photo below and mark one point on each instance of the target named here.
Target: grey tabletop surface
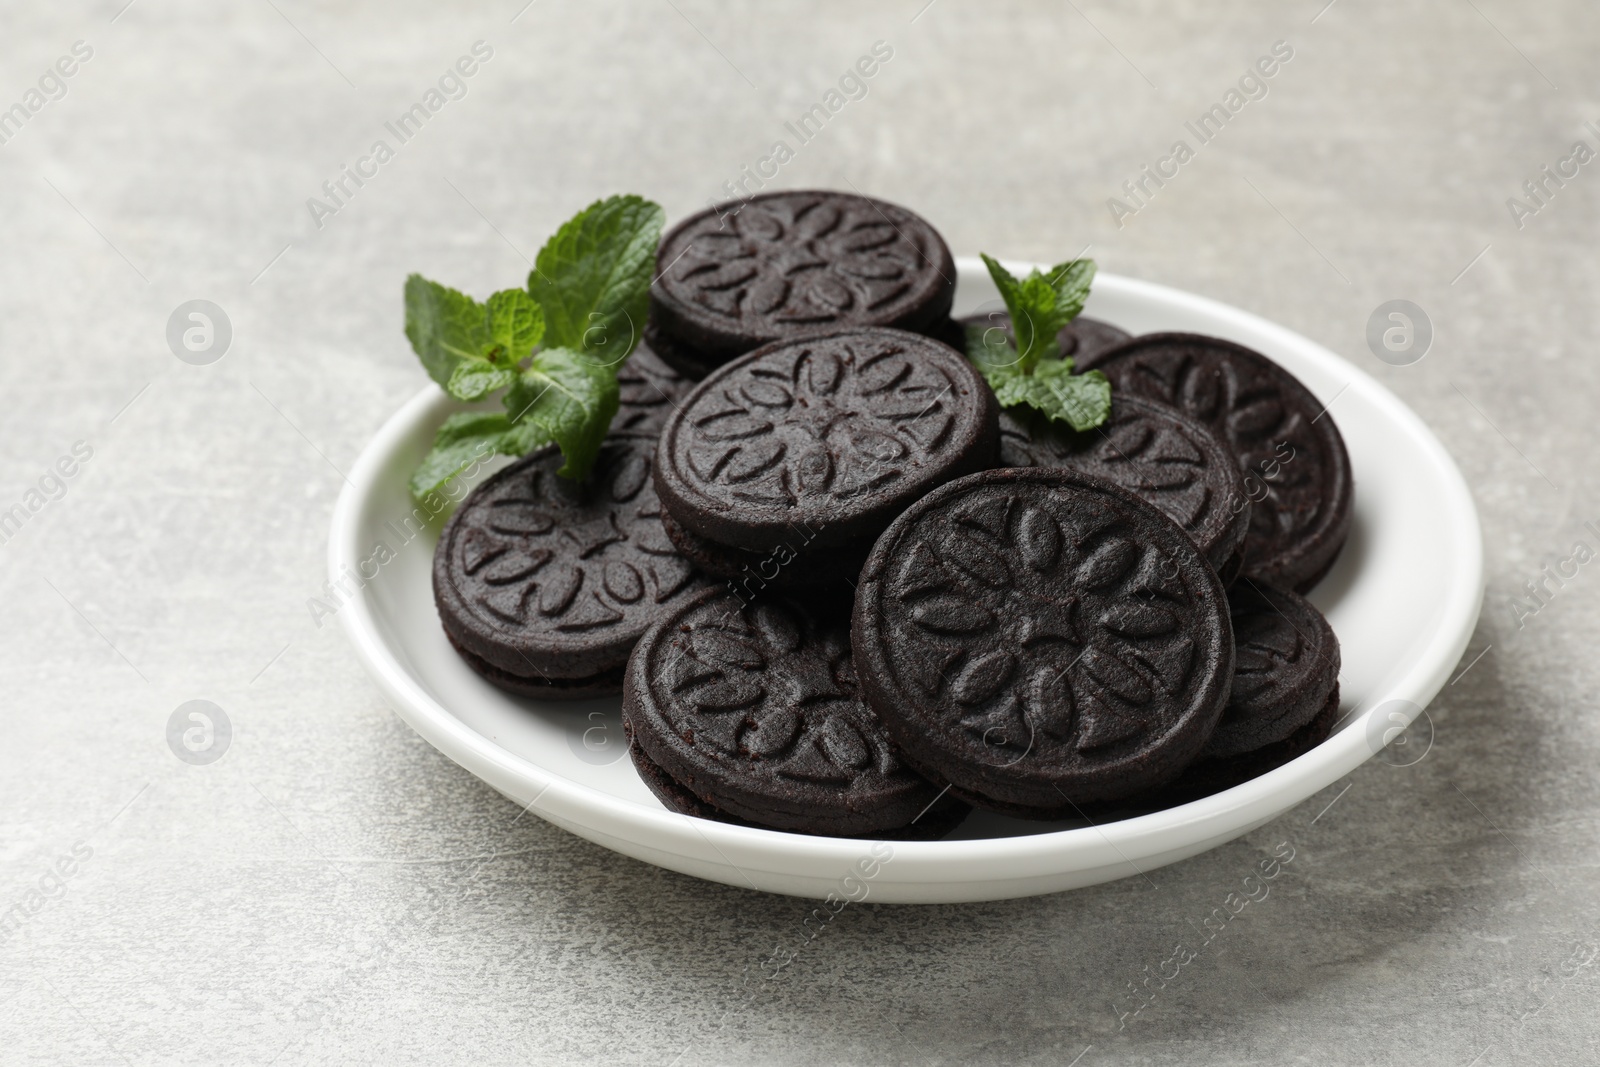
(334, 890)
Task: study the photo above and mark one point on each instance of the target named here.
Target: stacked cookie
(1286, 443)
(1043, 642)
(843, 593)
(543, 585)
(782, 468)
(752, 713)
(1160, 455)
(742, 275)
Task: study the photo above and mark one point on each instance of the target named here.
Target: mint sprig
(471, 349)
(586, 299)
(593, 277)
(565, 396)
(1032, 371)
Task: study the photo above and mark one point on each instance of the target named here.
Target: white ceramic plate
(1403, 598)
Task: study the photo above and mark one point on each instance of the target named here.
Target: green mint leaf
(470, 348)
(989, 348)
(1031, 303)
(474, 379)
(444, 326)
(567, 397)
(515, 325)
(1034, 373)
(1083, 401)
(1035, 322)
(592, 279)
(464, 438)
(1004, 280)
(1010, 292)
(1011, 387)
(587, 298)
(1041, 305)
(512, 326)
(1071, 281)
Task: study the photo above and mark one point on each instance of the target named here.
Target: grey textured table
(332, 889)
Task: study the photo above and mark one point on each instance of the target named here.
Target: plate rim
(1007, 860)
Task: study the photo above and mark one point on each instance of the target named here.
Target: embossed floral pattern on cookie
(1286, 662)
(822, 431)
(757, 709)
(649, 391)
(1156, 452)
(540, 575)
(783, 262)
(1282, 437)
(1043, 633)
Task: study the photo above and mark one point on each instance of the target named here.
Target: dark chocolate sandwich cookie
(936, 823)
(1204, 776)
(684, 360)
(1207, 776)
(811, 447)
(674, 796)
(1293, 457)
(820, 574)
(752, 713)
(1156, 452)
(545, 584)
(744, 274)
(1283, 702)
(649, 389)
(604, 684)
(1078, 339)
(1040, 639)
(1286, 663)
